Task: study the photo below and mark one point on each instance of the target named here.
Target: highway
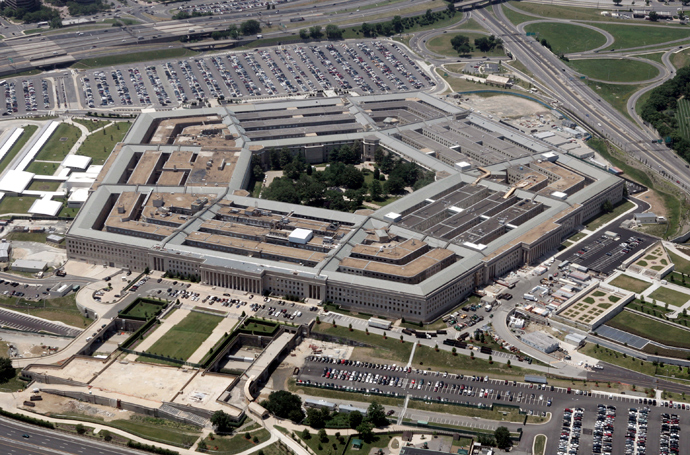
(554, 78)
(50, 442)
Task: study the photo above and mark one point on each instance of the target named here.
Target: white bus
(42, 24)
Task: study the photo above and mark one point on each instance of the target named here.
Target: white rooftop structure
(392, 217)
(15, 181)
(77, 162)
(301, 236)
(78, 197)
(45, 206)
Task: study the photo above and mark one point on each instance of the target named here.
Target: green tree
(653, 16)
(316, 418)
(323, 437)
(106, 435)
(315, 31)
(221, 421)
(81, 429)
(285, 405)
(333, 32)
(306, 435)
(7, 371)
(376, 414)
(250, 27)
(365, 430)
(606, 206)
(502, 436)
(461, 44)
(304, 33)
(375, 190)
(355, 419)
(398, 24)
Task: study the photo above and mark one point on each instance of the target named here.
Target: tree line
(660, 110)
(462, 46)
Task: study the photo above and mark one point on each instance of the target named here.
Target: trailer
(379, 323)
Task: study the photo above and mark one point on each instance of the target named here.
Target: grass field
(539, 447)
(184, 338)
(616, 95)
(29, 130)
(670, 296)
(569, 12)
(681, 59)
(498, 413)
(237, 443)
(462, 85)
(428, 358)
(627, 36)
(136, 57)
(630, 283)
(631, 363)
(615, 70)
(388, 349)
(656, 57)
(601, 220)
(63, 309)
(42, 167)
(683, 116)
(441, 45)
(55, 149)
(91, 124)
(39, 237)
(143, 309)
(517, 18)
(44, 185)
(332, 446)
(681, 265)
(99, 145)
(566, 38)
(648, 328)
(16, 204)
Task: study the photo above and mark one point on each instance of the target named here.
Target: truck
(529, 297)
(296, 19)
(191, 30)
(379, 323)
(259, 36)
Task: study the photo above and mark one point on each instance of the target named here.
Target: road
(50, 442)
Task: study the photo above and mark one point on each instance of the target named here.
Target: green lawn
(332, 447)
(627, 36)
(340, 395)
(683, 116)
(99, 145)
(143, 308)
(63, 309)
(615, 70)
(183, 339)
(652, 329)
(16, 204)
(29, 130)
(566, 38)
(441, 45)
(630, 283)
(655, 56)
(680, 264)
(14, 384)
(390, 348)
(539, 447)
(134, 57)
(45, 185)
(498, 413)
(631, 363)
(670, 296)
(42, 168)
(38, 237)
(91, 124)
(517, 18)
(427, 358)
(605, 218)
(56, 149)
(237, 443)
(681, 59)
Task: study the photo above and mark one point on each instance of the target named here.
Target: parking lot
(366, 67)
(581, 422)
(26, 94)
(602, 254)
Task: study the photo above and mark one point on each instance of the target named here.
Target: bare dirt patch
(653, 199)
(505, 106)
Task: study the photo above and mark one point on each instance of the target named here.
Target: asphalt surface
(527, 396)
(50, 442)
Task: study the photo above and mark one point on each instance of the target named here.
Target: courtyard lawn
(652, 329)
(16, 204)
(615, 70)
(91, 124)
(143, 309)
(601, 220)
(566, 38)
(670, 296)
(99, 145)
(629, 283)
(56, 149)
(42, 167)
(181, 341)
(45, 185)
(29, 130)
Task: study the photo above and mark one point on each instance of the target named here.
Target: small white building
(78, 162)
(45, 206)
(301, 236)
(78, 197)
(22, 265)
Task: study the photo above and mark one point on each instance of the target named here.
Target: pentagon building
(173, 197)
